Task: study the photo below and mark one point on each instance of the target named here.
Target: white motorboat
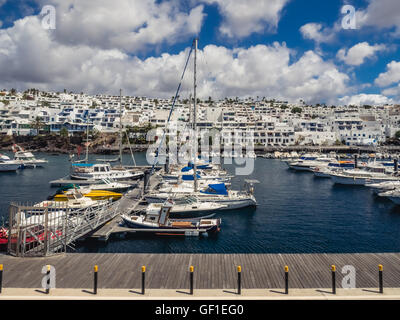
(213, 193)
(156, 221)
(308, 163)
(89, 171)
(8, 165)
(326, 171)
(383, 186)
(188, 175)
(110, 185)
(371, 174)
(191, 206)
(26, 158)
(393, 195)
(75, 200)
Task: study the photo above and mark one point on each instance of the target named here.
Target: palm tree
(37, 124)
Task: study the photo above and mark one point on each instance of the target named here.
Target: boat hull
(9, 167)
(229, 203)
(357, 180)
(141, 228)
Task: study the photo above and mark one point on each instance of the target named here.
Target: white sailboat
(214, 192)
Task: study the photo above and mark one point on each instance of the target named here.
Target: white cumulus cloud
(382, 14)
(241, 18)
(366, 99)
(30, 57)
(132, 26)
(392, 75)
(318, 33)
(357, 54)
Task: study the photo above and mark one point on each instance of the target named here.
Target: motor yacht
(89, 171)
(8, 165)
(371, 174)
(157, 221)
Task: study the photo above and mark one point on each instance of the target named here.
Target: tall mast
(195, 117)
(87, 140)
(120, 127)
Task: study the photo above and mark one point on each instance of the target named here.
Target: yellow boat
(92, 194)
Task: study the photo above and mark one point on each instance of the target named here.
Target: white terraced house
(271, 122)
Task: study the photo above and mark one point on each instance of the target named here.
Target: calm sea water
(297, 213)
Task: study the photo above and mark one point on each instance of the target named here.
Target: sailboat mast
(120, 127)
(195, 117)
(87, 140)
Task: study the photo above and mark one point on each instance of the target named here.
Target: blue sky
(286, 49)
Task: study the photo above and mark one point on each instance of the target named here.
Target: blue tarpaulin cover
(189, 177)
(219, 188)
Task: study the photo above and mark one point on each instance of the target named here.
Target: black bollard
(286, 280)
(1, 278)
(143, 280)
(239, 270)
(191, 269)
(96, 269)
(380, 278)
(48, 280)
(333, 279)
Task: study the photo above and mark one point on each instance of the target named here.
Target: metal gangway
(37, 231)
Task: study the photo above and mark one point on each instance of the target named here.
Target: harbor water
(296, 213)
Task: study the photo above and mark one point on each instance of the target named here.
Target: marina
(296, 212)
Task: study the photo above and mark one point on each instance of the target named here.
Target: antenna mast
(120, 127)
(195, 117)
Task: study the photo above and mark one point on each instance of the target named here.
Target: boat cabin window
(381, 170)
(96, 169)
(152, 218)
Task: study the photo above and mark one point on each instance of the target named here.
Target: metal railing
(47, 230)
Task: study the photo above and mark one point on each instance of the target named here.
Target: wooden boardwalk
(212, 271)
(129, 202)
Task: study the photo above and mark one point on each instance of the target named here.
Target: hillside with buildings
(65, 116)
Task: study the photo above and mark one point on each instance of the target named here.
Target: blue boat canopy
(219, 188)
(189, 177)
(186, 169)
(83, 164)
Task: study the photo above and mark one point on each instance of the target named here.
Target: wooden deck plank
(216, 271)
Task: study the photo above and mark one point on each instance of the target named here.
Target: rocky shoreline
(52, 143)
(108, 143)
